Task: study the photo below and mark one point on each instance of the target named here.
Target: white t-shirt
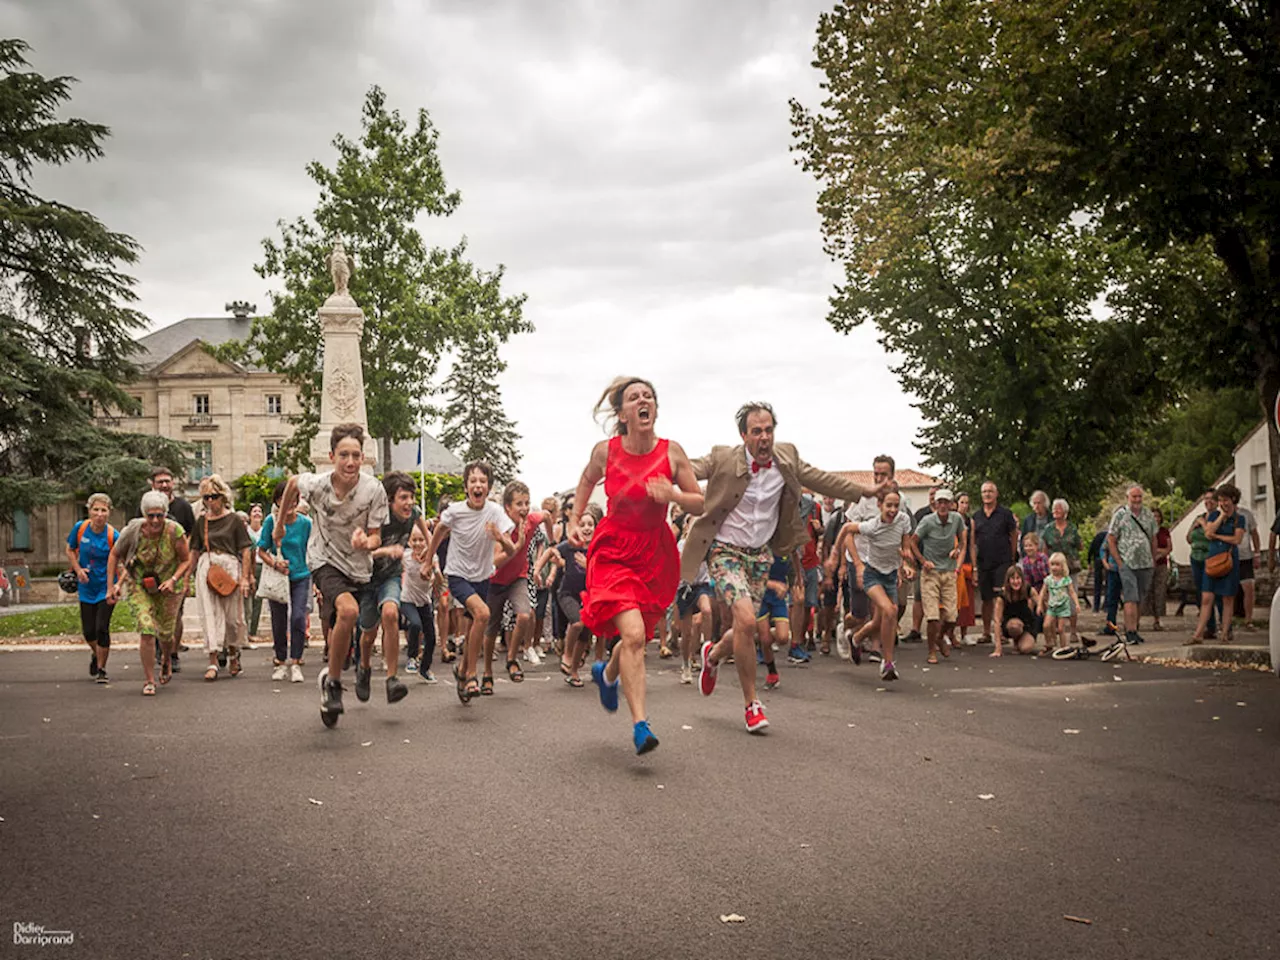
(884, 541)
(865, 509)
(413, 587)
(751, 523)
(470, 546)
(333, 520)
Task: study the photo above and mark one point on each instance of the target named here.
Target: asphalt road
(523, 825)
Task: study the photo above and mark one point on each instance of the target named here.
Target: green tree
(417, 300)
(1193, 441)
(66, 327)
(1147, 123)
(475, 426)
(989, 305)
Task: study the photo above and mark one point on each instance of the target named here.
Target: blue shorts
(373, 596)
(460, 589)
(812, 581)
(772, 607)
(687, 597)
(888, 582)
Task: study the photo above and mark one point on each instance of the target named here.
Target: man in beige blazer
(752, 512)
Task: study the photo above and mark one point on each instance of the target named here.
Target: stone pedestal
(342, 396)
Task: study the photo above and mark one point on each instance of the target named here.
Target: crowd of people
(733, 558)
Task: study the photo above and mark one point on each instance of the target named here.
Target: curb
(1218, 653)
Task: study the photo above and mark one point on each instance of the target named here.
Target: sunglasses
(212, 496)
(155, 516)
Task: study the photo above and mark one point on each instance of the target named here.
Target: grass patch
(59, 620)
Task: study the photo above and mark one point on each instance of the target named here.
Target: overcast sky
(628, 162)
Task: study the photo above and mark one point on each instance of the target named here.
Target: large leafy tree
(1129, 146)
(66, 324)
(475, 425)
(989, 305)
(417, 300)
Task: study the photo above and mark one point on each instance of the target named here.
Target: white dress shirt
(751, 523)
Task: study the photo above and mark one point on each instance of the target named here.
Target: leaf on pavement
(732, 918)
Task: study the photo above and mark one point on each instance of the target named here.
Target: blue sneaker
(759, 657)
(608, 691)
(643, 737)
(798, 654)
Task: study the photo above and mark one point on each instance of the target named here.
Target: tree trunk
(384, 455)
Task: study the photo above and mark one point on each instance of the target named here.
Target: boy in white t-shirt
(477, 529)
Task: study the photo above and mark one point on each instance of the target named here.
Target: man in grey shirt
(940, 539)
(1130, 540)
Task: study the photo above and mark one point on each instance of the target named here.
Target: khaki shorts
(938, 593)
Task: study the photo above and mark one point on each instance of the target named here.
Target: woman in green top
(1061, 536)
(1199, 553)
(153, 557)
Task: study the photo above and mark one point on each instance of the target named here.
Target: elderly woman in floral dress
(152, 558)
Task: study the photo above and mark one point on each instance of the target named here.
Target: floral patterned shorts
(739, 572)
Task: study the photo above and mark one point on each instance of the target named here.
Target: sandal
(573, 681)
(486, 685)
(513, 671)
(148, 689)
(825, 649)
(211, 672)
(932, 658)
(166, 671)
(461, 684)
(564, 668)
(664, 653)
(235, 667)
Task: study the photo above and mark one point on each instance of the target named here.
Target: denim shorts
(888, 582)
(812, 580)
(373, 596)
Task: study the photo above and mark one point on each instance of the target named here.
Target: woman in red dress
(633, 568)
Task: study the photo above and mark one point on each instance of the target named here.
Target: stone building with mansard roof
(235, 416)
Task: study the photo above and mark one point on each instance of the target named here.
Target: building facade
(235, 417)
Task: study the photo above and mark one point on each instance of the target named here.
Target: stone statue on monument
(339, 265)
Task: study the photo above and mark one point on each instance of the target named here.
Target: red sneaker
(756, 720)
(707, 676)
(771, 681)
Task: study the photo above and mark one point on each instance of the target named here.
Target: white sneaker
(842, 646)
(279, 672)
(533, 656)
(295, 673)
(686, 672)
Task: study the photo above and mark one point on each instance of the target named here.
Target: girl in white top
(885, 539)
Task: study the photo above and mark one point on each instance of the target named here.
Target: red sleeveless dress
(632, 562)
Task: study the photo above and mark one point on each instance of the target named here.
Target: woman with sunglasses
(152, 557)
(220, 539)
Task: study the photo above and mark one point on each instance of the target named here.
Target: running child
(476, 529)
(774, 613)
(380, 599)
(887, 539)
(347, 510)
(571, 558)
(420, 575)
(510, 584)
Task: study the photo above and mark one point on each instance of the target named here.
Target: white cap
(944, 494)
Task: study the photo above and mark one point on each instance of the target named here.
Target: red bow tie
(757, 466)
